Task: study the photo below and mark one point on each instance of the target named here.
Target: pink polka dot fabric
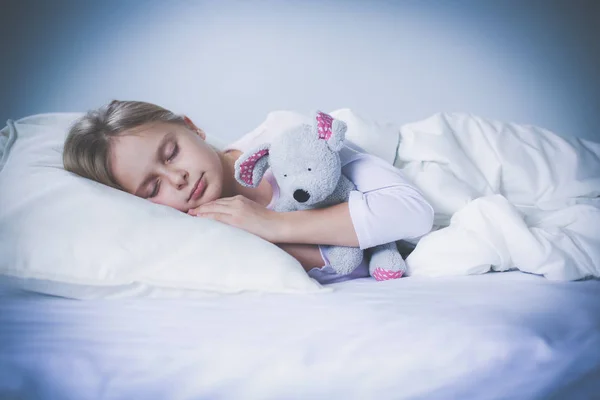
(247, 167)
(381, 274)
(324, 122)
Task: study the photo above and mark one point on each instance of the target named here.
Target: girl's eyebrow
(158, 155)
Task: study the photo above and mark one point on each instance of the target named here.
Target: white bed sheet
(494, 336)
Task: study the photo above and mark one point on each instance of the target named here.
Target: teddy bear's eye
(310, 169)
(285, 175)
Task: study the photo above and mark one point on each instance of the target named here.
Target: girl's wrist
(283, 228)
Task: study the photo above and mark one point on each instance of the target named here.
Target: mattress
(493, 336)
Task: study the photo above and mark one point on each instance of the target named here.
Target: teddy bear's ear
(331, 130)
(251, 166)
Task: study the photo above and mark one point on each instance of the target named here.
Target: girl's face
(169, 164)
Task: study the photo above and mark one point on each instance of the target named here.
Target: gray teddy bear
(306, 164)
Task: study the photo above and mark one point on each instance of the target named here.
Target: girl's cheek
(160, 200)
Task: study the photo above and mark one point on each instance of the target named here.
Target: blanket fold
(506, 196)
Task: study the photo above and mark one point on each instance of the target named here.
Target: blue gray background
(227, 63)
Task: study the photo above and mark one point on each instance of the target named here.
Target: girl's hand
(243, 213)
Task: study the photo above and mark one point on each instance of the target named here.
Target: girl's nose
(179, 178)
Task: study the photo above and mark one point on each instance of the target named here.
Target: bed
(503, 335)
(447, 331)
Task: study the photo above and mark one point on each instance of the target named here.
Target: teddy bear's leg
(342, 259)
(386, 262)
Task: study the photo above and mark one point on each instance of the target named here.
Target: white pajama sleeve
(385, 207)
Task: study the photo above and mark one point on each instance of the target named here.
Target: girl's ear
(193, 127)
(252, 165)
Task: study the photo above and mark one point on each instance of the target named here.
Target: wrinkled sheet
(493, 336)
(506, 196)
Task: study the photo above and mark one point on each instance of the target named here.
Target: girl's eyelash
(174, 153)
(157, 184)
(155, 190)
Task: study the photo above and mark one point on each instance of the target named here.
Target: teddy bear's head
(304, 160)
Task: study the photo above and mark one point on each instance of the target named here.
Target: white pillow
(380, 140)
(68, 236)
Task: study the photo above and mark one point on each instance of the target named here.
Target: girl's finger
(222, 201)
(226, 199)
(213, 207)
(225, 218)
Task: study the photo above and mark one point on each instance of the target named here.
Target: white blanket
(514, 196)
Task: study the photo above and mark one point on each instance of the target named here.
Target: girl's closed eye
(155, 188)
(172, 152)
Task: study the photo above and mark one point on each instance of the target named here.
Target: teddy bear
(306, 165)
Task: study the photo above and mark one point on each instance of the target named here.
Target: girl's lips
(198, 188)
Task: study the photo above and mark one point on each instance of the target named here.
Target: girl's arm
(385, 208)
(331, 226)
(307, 254)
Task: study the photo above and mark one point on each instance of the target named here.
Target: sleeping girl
(150, 152)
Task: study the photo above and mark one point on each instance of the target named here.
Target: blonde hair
(88, 144)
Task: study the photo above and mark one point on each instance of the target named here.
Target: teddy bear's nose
(301, 196)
